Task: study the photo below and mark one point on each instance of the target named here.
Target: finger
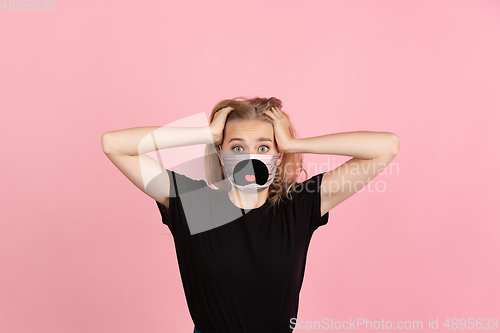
(277, 112)
(269, 113)
(274, 111)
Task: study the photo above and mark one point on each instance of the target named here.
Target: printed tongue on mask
(250, 178)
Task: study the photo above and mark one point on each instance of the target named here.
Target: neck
(248, 200)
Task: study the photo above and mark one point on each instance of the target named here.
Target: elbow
(105, 146)
(394, 144)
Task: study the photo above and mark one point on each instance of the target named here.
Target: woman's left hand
(281, 132)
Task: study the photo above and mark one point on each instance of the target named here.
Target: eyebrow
(259, 139)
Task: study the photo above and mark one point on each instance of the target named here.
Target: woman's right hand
(217, 125)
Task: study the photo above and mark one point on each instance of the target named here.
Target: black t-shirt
(243, 274)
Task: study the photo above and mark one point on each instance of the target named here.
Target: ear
(217, 150)
(279, 159)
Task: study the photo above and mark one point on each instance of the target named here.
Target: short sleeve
(309, 202)
(188, 188)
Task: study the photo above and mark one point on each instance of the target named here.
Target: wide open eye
(263, 151)
(238, 151)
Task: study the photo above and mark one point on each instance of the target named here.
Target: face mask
(250, 172)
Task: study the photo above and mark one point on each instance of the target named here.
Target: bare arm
(140, 140)
(371, 152)
(127, 150)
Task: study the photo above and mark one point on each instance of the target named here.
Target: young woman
(242, 236)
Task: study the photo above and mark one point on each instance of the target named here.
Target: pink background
(83, 250)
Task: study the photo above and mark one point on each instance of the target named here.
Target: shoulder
(308, 201)
(182, 183)
(310, 186)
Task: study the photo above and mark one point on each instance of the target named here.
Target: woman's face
(249, 137)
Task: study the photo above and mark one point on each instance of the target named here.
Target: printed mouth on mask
(250, 171)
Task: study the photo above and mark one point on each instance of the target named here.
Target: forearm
(359, 144)
(141, 140)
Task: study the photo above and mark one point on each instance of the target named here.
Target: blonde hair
(284, 182)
